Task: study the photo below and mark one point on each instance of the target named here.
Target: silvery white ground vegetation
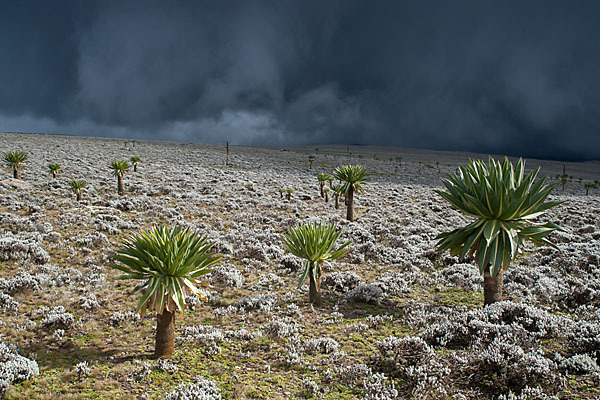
(398, 319)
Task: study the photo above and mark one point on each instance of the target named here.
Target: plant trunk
(134, 167)
(54, 174)
(289, 196)
(120, 189)
(337, 202)
(492, 287)
(314, 292)
(321, 187)
(16, 173)
(79, 196)
(350, 204)
(165, 334)
(326, 197)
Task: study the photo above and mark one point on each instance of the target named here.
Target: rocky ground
(399, 320)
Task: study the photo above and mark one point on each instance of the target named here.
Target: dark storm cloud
(498, 77)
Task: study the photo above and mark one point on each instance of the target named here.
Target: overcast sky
(504, 77)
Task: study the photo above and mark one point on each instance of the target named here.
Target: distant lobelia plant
(14, 160)
(168, 262)
(77, 186)
(588, 186)
(135, 160)
(504, 203)
(119, 168)
(311, 159)
(326, 191)
(337, 191)
(564, 178)
(322, 178)
(315, 244)
(353, 177)
(54, 169)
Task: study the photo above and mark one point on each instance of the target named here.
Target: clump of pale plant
(315, 244)
(168, 262)
(504, 202)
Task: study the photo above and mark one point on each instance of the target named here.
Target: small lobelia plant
(14, 161)
(168, 262)
(337, 192)
(311, 159)
(352, 177)
(326, 191)
(315, 244)
(119, 168)
(322, 178)
(54, 169)
(135, 160)
(289, 193)
(589, 185)
(77, 186)
(504, 203)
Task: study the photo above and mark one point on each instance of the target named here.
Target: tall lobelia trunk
(350, 204)
(135, 167)
(314, 289)
(54, 174)
(16, 173)
(321, 187)
(337, 201)
(326, 197)
(492, 287)
(79, 195)
(120, 189)
(165, 334)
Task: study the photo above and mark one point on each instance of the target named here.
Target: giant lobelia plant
(314, 243)
(168, 263)
(119, 168)
(504, 202)
(14, 160)
(352, 177)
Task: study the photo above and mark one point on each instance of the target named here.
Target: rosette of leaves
(504, 202)
(168, 263)
(315, 244)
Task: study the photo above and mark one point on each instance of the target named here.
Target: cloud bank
(498, 77)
